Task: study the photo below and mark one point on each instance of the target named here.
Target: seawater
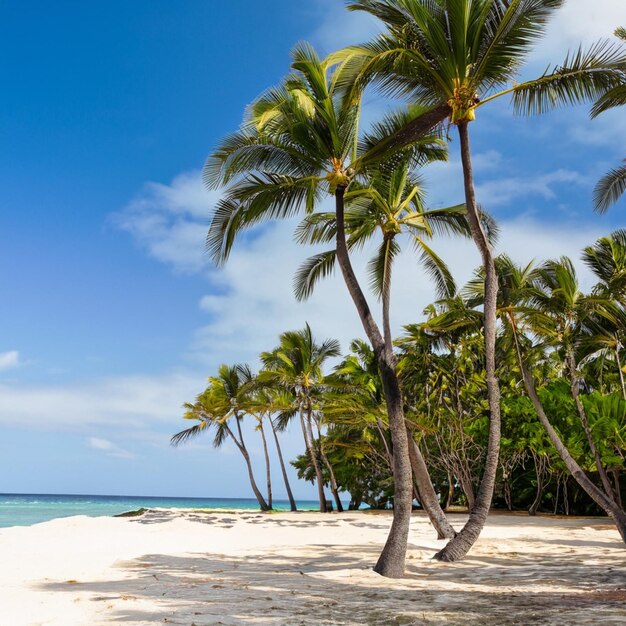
(27, 509)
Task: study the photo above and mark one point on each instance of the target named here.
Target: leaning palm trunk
(426, 494)
(598, 496)
(268, 473)
(292, 502)
(244, 452)
(621, 372)
(308, 440)
(582, 414)
(331, 473)
(428, 497)
(333, 481)
(393, 557)
(458, 547)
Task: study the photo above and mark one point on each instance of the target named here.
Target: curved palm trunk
(428, 496)
(458, 547)
(333, 481)
(268, 473)
(292, 502)
(618, 490)
(582, 414)
(467, 486)
(244, 452)
(427, 493)
(598, 496)
(393, 557)
(308, 440)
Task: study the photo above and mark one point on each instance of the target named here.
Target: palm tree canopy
(455, 56)
(225, 396)
(298, 143)
(606, 258)
(297, 363)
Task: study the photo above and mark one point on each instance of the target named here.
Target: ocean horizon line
(160, 497)
(26, 509)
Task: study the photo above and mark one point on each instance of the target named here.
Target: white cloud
(251, 300)
(578, 22)
(170, 221)
(259, 303)
(504, 190)
(134, 402)
(109, 448)
(9, 360)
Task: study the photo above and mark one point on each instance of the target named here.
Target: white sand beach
(301, 569)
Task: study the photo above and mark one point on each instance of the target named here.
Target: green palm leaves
(612, 185)
(295, 146)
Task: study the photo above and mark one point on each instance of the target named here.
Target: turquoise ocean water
(27, 509)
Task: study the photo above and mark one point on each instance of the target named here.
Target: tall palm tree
(298, 145)
(456, 56)
(222, 401)
(606, 258)
(612, 185)
(296, 366)
(389, 204)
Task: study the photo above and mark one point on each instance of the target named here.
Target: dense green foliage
(443, 381)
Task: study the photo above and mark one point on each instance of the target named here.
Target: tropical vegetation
(511, 390)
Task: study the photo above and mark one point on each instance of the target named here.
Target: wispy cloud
(502, 191)
(579, 22)
(338, 27)
(250, 300)
(109, 448)
(9, 360)
(170, 221)
(138, 403)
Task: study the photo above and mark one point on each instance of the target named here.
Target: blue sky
(111, 315)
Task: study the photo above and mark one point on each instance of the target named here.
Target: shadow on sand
(325, 585)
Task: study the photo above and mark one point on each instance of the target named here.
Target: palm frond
(189, 433)
(436, 269)
(314, 269)
(584, 76)
(612, 98)
(380, 266)
(609, 189)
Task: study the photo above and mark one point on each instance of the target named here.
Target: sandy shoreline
(179, 567)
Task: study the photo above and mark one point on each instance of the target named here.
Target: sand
(305, 569)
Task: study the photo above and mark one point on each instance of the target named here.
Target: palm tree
(612, 185)
(518, 295)
(607, 260)
(564, 311)
(456, 56)
(224, 399)
(265, 402)
(389, 204)
(296, 366)
(299, 144)
(362, 403)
